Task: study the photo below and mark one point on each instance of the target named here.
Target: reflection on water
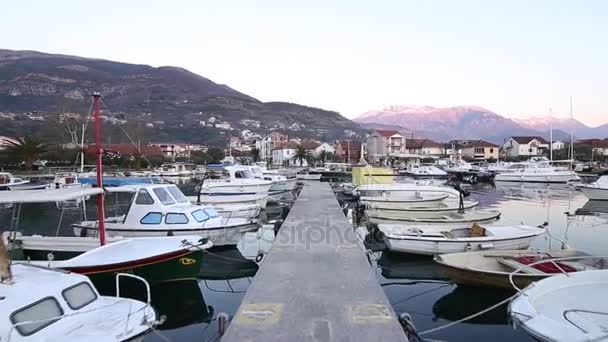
(573, 221)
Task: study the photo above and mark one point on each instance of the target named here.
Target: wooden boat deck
(316, 283)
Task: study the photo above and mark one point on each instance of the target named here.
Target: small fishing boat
(492, 268)
(423, 217)
(154, 259)
(436, 207)
(404, 189)
(596, 191)
(433, 240)
(233, 181)
(280, 183)
(404, 201)
(42, 304)
(566, 307)
(421, 171)
(163, 210)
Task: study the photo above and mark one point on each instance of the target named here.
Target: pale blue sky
(516, 57)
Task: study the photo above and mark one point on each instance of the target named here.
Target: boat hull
(443, 246)
(479, 278)
(283, 185)
(220, 236)
(536, 178)
(180, 265)
(595, 194)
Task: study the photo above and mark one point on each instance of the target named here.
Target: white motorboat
(8, 181)
(596, 191)
(430, 218)
(406, 201)
(163, 210)
(421, 171)
(309, 176)
(235, 181)
(442, 207)
(280, 183)
(493, 268)
(538, 172)
(439, 240)
(404, 189)
(42, 304)
(566, 307)
(460, 166)
(176, 169)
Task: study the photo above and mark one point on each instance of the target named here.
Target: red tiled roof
(420, 143)
(525, 140)
(386, 133)
(310, 144)
(130, 149)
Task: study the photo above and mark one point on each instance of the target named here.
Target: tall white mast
(550, 135)
(571, 135)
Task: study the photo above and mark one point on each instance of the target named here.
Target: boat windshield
(212, 212)
(163, 196)
(243, 174)
(79, 295)
(177, 194)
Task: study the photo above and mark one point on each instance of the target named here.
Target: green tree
(300, 155)
(215, 155)
(26, 149)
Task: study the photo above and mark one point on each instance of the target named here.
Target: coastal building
(525, 146)
(284, 155)
(423, 147)
(323, 147)
(349, 151)
(178, 150)
(474, 149)
(558, 145)
(382, 142)
(270, 142)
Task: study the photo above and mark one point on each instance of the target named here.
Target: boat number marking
(187, 261)
(260, 313)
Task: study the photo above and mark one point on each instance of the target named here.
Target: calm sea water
(413, 284)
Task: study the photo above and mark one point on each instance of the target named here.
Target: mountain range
(38, 90)
(470, 122)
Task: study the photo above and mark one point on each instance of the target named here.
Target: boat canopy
(45, 196)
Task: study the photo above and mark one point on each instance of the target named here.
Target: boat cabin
(156, 204)
(29, 309)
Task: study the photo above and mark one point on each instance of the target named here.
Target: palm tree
(323, 156)
(300, 155)
(26, 149)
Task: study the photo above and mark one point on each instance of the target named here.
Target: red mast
(99, 154)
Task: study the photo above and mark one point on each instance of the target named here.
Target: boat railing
(128, 275)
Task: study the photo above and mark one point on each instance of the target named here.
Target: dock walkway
(316, 283)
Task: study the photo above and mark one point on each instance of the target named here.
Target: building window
(530, 150)
(491, 150)
(478, 149)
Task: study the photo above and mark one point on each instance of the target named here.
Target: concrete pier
(316, 283)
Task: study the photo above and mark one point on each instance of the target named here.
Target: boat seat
(477, 230)
(514, 264)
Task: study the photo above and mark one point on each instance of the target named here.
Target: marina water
(413, 284)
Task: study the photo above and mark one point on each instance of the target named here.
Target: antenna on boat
(551, 134)
(99, 164)
(571, 135)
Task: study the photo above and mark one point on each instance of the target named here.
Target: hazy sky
(515, 57)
